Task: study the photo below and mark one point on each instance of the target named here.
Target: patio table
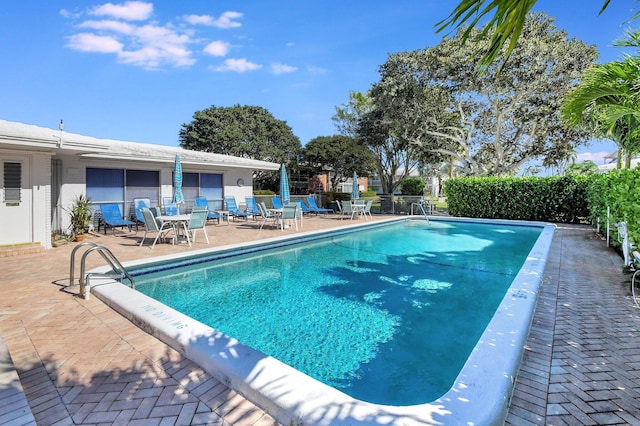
(178, 222)
(224, 215)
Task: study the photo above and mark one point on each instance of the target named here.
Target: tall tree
(241, 131)
(340, 155)
(375, 120)
(586, 167)
(348, 115)
(506, 20)
(495, 122)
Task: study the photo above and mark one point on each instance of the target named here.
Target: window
(190, 186)
(141, 184)
(211, 187)
(105, 185)
(122, 186)
(12, 182)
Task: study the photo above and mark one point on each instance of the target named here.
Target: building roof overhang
(24, 136)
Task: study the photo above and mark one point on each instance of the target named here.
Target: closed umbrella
(178, 197)
(355, 191)
(285, 194)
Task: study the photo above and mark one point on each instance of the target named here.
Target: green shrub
(567, 199)
(549, 199)
(263, 192)
(412, 186)
(337, 196)
(619, 192)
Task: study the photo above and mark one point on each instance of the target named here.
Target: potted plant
(80, 215)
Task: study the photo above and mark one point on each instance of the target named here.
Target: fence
(384, 203)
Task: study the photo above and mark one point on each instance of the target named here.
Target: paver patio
(79, 362)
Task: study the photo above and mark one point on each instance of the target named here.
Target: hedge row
(618, 190)
(567, 199)
(549, 199)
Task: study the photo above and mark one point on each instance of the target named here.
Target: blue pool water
(387, 315)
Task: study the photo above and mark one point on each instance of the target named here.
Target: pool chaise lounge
(112, 216)
(202, 202)
(232, 208)
(313, 207)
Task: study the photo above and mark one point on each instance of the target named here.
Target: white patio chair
(151, 225)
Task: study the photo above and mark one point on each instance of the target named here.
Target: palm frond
(507, 22)
(631, 39)
(604, 6)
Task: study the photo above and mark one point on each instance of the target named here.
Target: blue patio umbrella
(285, 194)
(178, 197)
(355, 190)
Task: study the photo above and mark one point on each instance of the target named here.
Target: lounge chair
(252, 207)
(170, 208)
(313, 207)
(233, 209)
(151, 225)
(112, 216)
(277, 202)
(303, 207)
(265, 214)
(138, 205)
(197, 220)
(202, 202)
(289, 213)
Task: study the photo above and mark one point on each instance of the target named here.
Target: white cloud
(237, 65)
(160, 36)
(217, 48)
(225, 21)
(199, 19)
(153, 57)
(149, 45)
(278, 68)
(109, 25)
(67, 14)
(316, 70)
(160, 46)
(129, 11)
(88, 42)
(596, 157)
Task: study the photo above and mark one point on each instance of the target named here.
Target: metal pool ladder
(119, 272)
(421, 209)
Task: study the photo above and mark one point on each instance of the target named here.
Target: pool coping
(295, 398)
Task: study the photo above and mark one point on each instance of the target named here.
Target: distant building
(611, 162)
(322, 183)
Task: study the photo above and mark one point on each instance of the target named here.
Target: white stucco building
(611, 162)
(44, 169)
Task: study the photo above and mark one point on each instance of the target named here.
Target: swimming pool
(293, 397)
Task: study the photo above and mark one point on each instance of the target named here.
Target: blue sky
(138, 70)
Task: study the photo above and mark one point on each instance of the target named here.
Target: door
(15, 201)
